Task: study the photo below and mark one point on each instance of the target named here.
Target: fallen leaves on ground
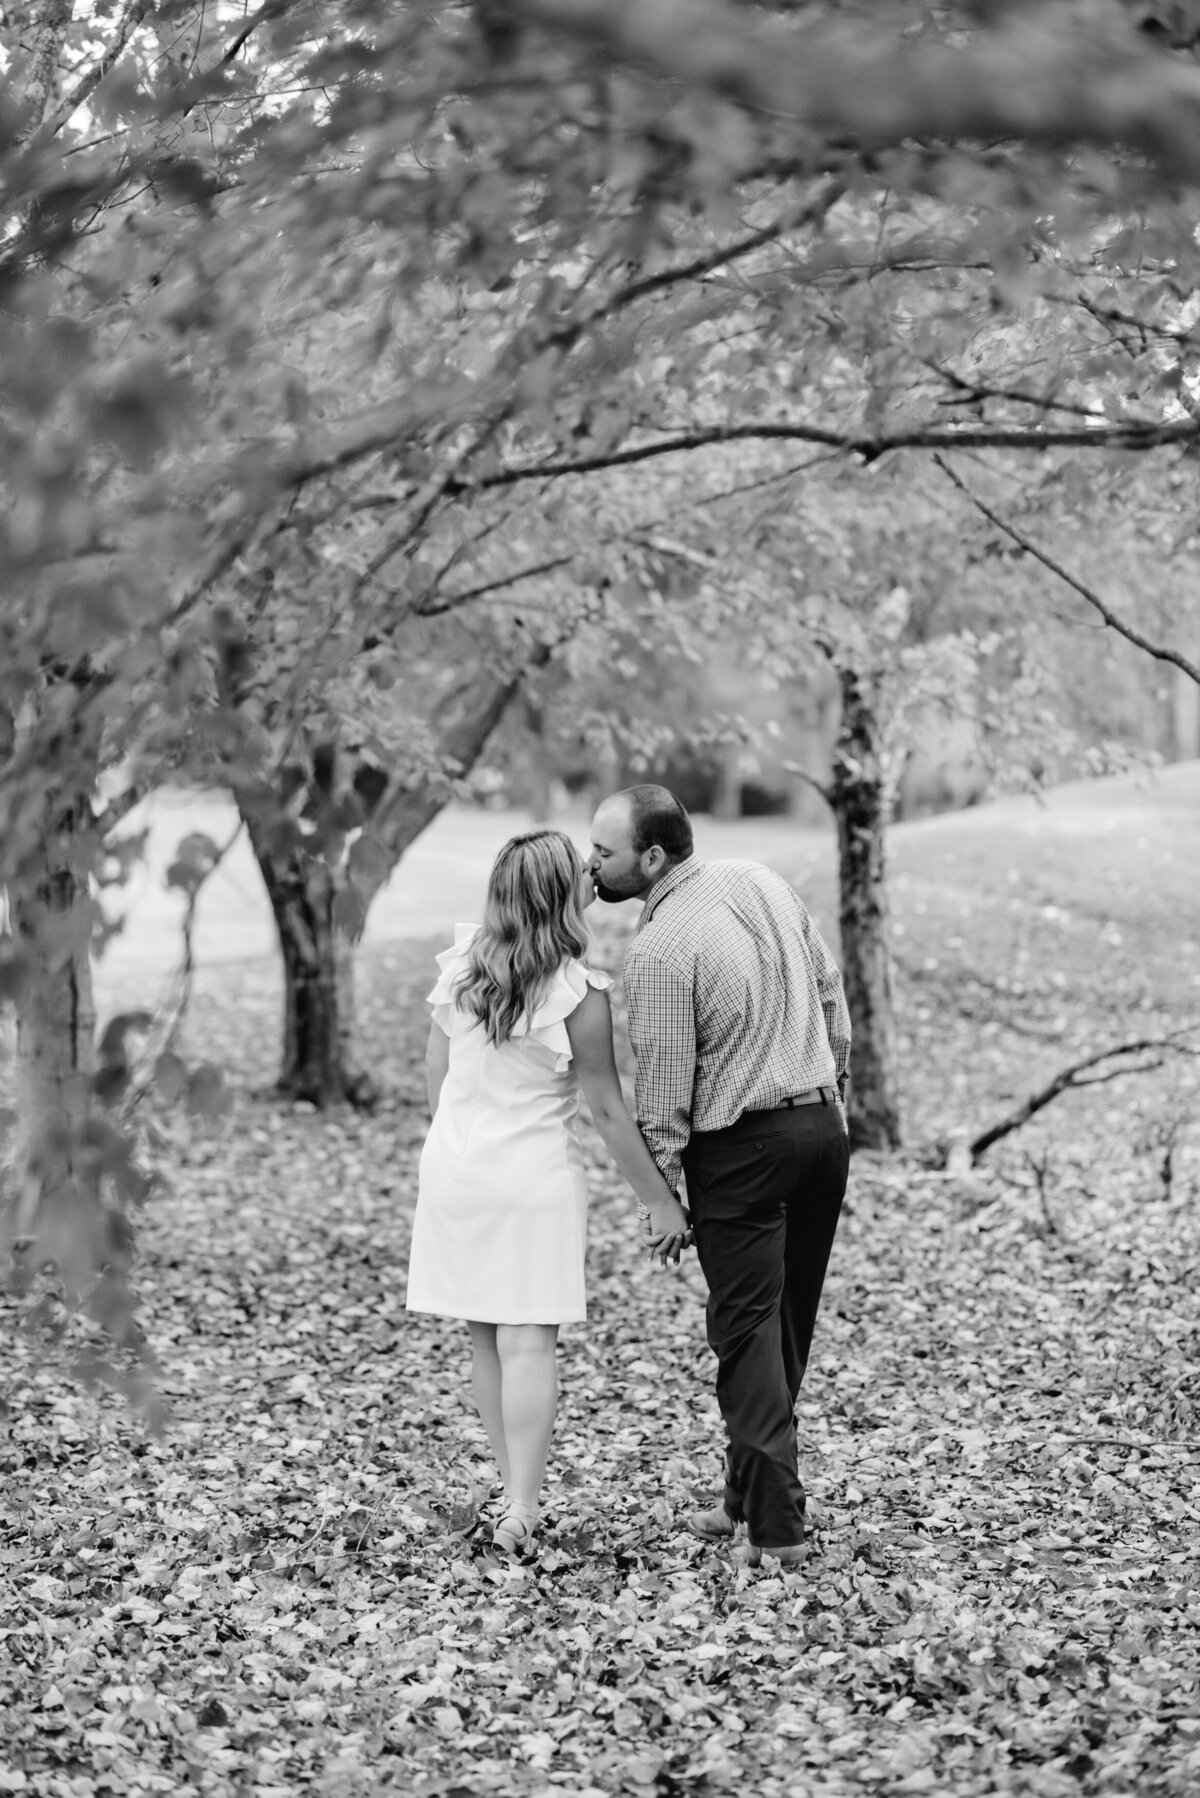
(292, 1591)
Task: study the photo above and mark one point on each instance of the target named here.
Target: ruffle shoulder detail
(548, 1025)
(451, 961)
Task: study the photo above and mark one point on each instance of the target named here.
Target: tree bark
(58, 1209)
(58, 1206)
(859, 797)
(303, 891)
(50, 31)
(56, 1019)
(320, 910)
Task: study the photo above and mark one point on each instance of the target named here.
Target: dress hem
(460, 1316)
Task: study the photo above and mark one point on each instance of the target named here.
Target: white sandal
(513, 1535)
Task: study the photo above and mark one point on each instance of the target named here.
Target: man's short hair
(656, 816)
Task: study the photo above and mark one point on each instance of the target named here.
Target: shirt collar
(670, 882)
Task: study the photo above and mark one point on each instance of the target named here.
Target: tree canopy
(320, 323)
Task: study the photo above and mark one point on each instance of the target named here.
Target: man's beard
(610, 895)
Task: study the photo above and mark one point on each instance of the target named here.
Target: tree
(363, 261)
(320, 897)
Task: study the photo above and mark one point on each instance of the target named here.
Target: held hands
(668, 1231)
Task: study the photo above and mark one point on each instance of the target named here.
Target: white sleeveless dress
(500, 1228)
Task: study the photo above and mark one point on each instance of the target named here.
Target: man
(739, 1026)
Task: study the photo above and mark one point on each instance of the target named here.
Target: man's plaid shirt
(735, 1003)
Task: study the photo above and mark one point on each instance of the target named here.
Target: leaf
(368, 864)
(349, 913)
(110, 1082)
(170, 1077)
(113, 1047)
(182, 178)
(136, 409)
(207, 1094)
(195, 858)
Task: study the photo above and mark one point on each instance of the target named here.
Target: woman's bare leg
(528, 1402)
(485, 1384)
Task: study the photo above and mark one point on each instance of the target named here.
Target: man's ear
(655, 859)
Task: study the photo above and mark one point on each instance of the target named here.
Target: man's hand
(668, 1231)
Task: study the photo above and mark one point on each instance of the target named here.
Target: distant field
(1069, 892)
(1115, 851)
(1050, 930)
(1026, 934)
(440, 880)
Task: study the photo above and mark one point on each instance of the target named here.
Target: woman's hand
(668, 1230)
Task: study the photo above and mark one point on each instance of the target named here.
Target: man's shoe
(714, 1526)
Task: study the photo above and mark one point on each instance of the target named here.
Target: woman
(520, 1024)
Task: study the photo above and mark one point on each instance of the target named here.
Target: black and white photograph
(600, 898)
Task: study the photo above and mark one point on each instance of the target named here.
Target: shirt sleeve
(832, 996)
(662, 1029)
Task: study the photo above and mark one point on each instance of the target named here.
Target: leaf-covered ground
(999, 1434)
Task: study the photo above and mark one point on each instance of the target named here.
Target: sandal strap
(523, 1516)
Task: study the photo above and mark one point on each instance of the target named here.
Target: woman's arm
(437, 1061)
(589, 1028)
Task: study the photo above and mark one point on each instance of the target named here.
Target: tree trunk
(56, 1018)
(860, 802)
(59, 1209)
(318, 1009)
(320, 911)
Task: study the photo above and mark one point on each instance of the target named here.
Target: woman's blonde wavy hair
(532, 923)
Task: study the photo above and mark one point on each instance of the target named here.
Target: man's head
(638, 835)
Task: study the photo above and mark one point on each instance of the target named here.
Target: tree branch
(1140, 436)
(451, 601)
(388, 426)
(971, 392)
(131, 18)
(1069, 1078)
(51, 30)
(810, 780)
(810, 212)
(273, 9)
(1111, 618)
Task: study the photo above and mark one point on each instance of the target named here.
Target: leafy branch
(972, 393)
(1140, 435)
(1054, 76)
(135, 11)
(488, 402)
(1112, 619)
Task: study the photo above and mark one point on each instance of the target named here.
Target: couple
(741, 1038)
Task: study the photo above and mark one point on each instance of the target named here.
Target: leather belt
(820, 1095)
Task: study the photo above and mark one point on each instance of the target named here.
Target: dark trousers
(765, 1196)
